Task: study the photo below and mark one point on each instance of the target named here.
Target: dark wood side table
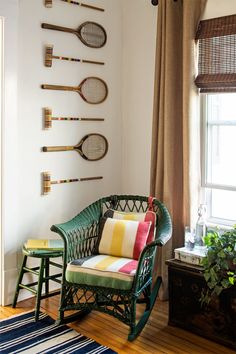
(217, 322)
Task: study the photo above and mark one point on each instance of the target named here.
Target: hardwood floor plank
(118, 335)
(157, 337)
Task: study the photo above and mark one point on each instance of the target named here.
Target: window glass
(219, 158)
(223, 204)
(221, 107)
(221, 155)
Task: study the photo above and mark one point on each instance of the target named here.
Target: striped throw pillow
(148, 216)
(123, 238)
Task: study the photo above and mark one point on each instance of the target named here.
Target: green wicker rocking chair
(81, 236)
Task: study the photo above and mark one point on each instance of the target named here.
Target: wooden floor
(157, 337)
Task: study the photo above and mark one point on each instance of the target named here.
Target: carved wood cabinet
(217, 322)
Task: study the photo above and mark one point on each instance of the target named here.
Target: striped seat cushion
(123, 238)
(102, 270)
(148, 216)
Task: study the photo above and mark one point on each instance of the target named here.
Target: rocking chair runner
(81, 237)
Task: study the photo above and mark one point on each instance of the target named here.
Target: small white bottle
(200, 227)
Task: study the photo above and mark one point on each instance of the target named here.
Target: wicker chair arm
(80, 233)
(145, 267)
(164, 225)
(146, 260)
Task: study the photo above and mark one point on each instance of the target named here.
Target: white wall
(35, 213)
(218, 8)
(139, 44)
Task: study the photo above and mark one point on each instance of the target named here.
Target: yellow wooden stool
(44, 250)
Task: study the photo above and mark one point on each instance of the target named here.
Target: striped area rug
(21, 334)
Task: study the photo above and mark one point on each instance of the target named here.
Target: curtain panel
(173, 161)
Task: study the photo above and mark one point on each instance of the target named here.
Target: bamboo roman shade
(217, 55)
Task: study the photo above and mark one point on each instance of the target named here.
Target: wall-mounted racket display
(49, 56)
(92, 147)
(47, 182)
(91, 34)
(48, 3)
(92, 89)
(48, 118)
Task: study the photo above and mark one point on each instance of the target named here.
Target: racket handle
(76, 180)
(79, 119)
(57, 28)
(92, 62)
(57, 148)
(58, 87)
(78, 60)
(89, 178)
(91, 7)
(84, 5)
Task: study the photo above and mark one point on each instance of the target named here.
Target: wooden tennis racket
(92, 147)
(92, 89)
(90, 33)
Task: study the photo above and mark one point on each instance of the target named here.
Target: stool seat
(42, 272)
(38, 253)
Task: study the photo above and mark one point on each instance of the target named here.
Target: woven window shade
(217, 55)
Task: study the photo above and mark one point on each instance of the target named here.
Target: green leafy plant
(219, 264)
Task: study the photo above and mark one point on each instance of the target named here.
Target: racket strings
(94, 147)
(94, 90)
(93, 35)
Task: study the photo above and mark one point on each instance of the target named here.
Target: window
(216, 79)
(219, 156)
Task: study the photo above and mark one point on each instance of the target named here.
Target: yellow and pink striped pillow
(148, 216)
(124, 238)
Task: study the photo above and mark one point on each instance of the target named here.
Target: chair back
(141, 204)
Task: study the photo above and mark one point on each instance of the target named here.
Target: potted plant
(219, 264)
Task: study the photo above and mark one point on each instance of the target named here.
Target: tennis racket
(92, 89)
(92, 147)
(90, 33)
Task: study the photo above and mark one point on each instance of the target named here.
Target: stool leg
(20, 277)
(46, 276)
(39, 290)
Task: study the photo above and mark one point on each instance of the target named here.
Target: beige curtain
(175, 119)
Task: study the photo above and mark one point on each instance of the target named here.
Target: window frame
(206, 186)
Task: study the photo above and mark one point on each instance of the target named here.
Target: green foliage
(219, 264)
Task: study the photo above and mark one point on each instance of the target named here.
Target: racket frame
(78, 147)
(98, 25)
(97, 78)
